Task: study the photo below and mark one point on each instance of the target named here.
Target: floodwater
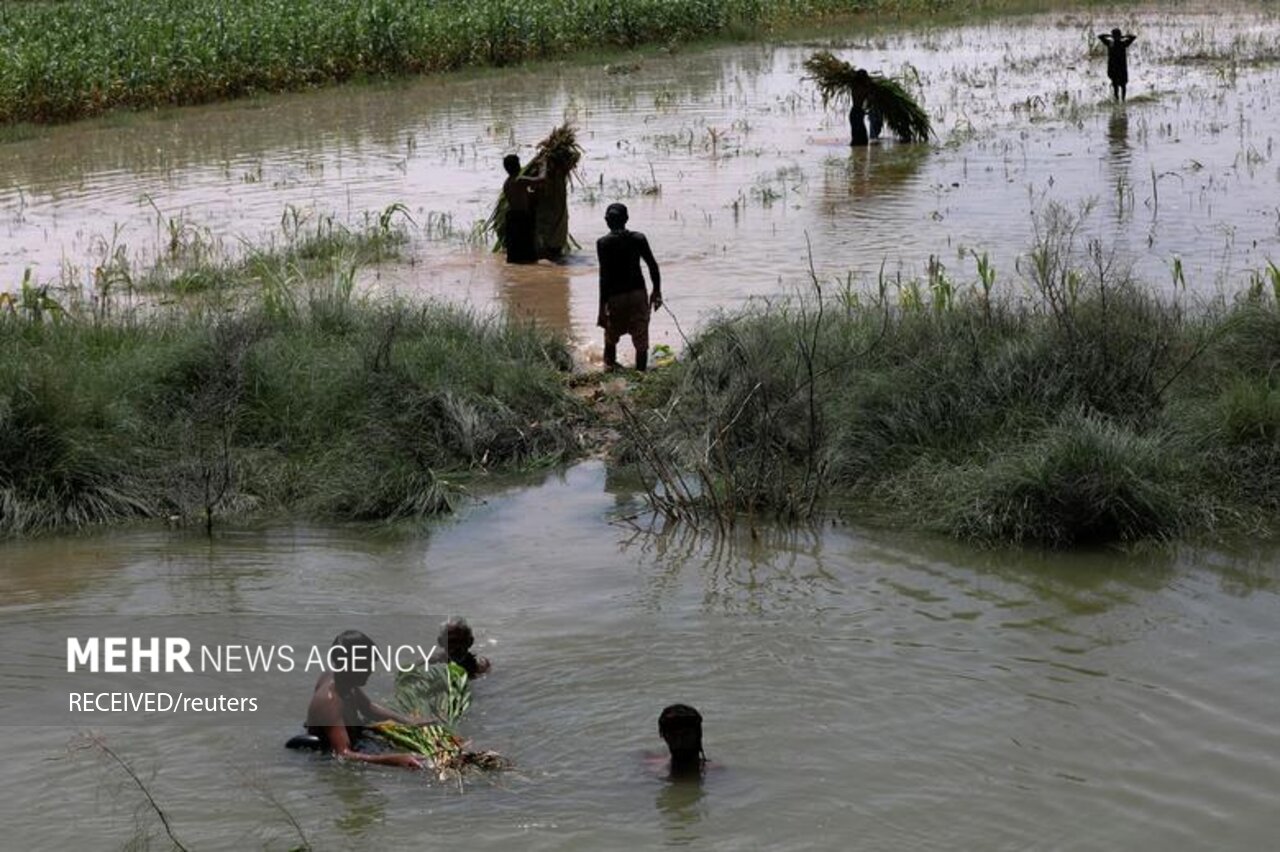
(861, 689)
(728, 160)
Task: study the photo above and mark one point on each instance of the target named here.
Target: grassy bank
(1078, 408)
(75, 58)
(271, 386)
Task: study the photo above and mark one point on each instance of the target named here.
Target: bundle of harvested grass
(841, 82)
(442, 691)
(446, 750)
(560, 151)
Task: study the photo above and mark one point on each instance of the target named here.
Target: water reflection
(681, 805)
(363, 803)
(1118, 159)
(748, 569)
(1118, 136)
(875, 171)
(537, 292)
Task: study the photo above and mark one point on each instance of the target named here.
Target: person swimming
(680, 726)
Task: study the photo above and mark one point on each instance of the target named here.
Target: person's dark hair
(1115, 33)
(511, 163)
(681, 727)
(616, 215)
(456, 637)
(343, 655)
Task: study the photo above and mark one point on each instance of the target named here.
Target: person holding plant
(340, 710)
(625, 305)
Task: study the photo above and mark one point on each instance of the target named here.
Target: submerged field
(67, 60)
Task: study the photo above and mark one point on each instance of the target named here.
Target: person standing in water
(624, 303)
(1117, 60)
(858, 112)
(518, 235)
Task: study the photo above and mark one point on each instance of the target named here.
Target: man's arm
(325, 714)
(1128, 40)
(1105, 38)
(655, 275)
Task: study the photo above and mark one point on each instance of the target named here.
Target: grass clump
(291, 393)
(1084, 409)
(1086, 480)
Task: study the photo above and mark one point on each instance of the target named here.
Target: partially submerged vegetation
(1087, 410)
(75, 58)
(277, 386)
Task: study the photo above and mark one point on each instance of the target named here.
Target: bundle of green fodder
(445, 693)
(556, 161)
(446, 750)
(841, 82)
(434, 690)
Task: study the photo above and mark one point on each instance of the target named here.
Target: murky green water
(860, 688)
(729, 161)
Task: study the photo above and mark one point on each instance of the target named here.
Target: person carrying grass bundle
(625, 305)
(885, 99)
(340, 711)
(1117, 60)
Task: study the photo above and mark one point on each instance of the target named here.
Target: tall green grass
(1085, 409)
(280, 388)
(75, 58)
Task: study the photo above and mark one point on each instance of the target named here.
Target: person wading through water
(519, 233)
(624, 303)
(1117, 61)
(340, 710)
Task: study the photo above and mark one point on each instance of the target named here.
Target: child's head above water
(456, 636)
(681, 727)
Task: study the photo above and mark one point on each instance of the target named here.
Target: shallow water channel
(861, 689)
(729, 161)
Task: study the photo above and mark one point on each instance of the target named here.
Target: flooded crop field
(861, 686)
(727, 158)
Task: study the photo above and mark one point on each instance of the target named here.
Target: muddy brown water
(862, 688)
(729, 162)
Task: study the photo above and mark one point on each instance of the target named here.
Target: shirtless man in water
(340, 710)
